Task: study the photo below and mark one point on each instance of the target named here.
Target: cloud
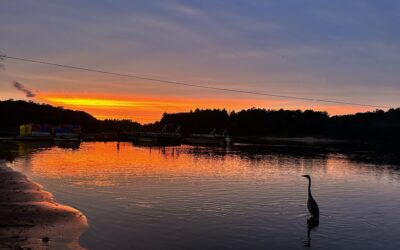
(186, 10)
(28, 93)
(2, 56)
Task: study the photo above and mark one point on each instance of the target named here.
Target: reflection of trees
(9, 150)
(256, 153)
(306, 155)
(169, 152)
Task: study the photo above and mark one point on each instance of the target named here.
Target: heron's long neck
(309, 187)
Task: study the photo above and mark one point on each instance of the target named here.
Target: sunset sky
(342, 50)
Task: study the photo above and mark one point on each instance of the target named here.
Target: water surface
(214, 198)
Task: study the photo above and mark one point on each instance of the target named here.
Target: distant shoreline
(239, 140)
(307, 126)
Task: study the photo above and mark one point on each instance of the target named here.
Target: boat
(163, 138)
(212, 138)
(67, 132)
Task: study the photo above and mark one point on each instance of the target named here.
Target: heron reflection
(310, 227)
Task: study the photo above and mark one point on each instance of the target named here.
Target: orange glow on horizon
(147, 109)
(86, 102)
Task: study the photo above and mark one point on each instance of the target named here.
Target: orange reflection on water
(106, 164)
(143, 191)
(96, 163)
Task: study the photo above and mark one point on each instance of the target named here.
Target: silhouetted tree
(376, 125)
(15, 113)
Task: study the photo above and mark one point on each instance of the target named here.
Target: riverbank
(31, 219)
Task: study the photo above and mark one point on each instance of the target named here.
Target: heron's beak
(304, 175)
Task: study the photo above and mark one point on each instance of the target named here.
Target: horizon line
(195, 109)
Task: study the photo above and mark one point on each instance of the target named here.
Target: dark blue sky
(340, 50)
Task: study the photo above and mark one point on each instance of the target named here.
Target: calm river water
(207, 198)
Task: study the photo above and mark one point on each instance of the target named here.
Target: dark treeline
(377, 125)
(15, 113)
(253, 122)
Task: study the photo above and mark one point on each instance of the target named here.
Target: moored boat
(162, 138)
(212, 138)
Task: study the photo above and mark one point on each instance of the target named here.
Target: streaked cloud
(19, 86)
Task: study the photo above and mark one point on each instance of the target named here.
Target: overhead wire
(193, 85)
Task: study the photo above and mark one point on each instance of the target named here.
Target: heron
(312, 205)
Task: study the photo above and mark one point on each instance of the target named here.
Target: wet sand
(31, 219)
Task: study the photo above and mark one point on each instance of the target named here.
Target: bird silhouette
(312, 205)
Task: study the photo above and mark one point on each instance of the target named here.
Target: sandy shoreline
(31, 219)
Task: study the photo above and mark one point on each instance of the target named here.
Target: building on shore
(45, 132)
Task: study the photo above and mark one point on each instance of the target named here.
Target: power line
(191, 84)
